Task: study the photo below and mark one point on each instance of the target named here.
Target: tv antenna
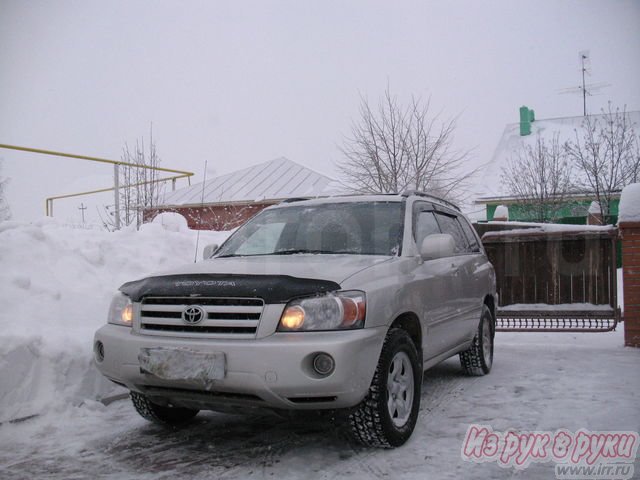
(585, 89)
(82, 208)
(204, 183)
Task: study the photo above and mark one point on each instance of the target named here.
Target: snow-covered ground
(539, 382)
(55, 286)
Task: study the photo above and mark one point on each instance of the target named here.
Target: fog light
(98, 350)
(323, 364)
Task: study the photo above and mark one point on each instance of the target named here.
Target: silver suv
(325, 304)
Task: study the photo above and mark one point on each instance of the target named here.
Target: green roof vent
(526, 117)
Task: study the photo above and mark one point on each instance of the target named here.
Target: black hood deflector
(271, 288)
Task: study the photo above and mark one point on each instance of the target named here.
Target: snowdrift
(56, 283)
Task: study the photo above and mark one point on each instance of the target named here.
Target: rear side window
(449, 224)
(470, 233)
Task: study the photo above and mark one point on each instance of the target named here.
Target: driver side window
(425, 225)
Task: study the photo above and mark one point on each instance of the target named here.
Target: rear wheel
(388, 414)
(158, 413)
(478, 359)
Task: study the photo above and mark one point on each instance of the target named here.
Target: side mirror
(209, 250)
(438, 245)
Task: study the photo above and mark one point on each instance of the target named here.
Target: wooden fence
(555, 278)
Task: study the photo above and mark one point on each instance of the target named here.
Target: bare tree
(140, 187)
(5, 210)
(605, 152)
(394, 148)
(540, 178)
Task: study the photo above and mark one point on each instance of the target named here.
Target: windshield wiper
(280, 252)
(304, 250)
(295, 251)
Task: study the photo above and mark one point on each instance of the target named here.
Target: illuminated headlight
(335, 311)
(121, 310)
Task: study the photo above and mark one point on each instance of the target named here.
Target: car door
(435, 288)
(466, 263)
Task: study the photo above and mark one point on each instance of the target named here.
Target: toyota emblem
(193, 314)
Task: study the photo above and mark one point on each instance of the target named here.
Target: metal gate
(555, 278)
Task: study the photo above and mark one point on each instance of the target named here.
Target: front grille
(225, 317)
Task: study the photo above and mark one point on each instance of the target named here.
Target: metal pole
(584, 90)
(116, 190)
(93, 159)
(82, 208)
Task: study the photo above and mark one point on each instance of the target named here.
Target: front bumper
(273, 371)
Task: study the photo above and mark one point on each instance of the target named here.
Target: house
(227, 201)
(576, 208)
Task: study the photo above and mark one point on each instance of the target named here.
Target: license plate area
(183, 364)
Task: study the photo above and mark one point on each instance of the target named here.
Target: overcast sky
(239, 83)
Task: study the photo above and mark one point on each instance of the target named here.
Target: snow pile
(56, 283)
(171, 221)
(501, 213)
(595, 208)
(629, 208)
(576, 307)
(548, 228)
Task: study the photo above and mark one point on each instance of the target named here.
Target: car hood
(275, 278)
(334, 268)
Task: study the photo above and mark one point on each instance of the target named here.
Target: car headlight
(121, 310)
(335, 311)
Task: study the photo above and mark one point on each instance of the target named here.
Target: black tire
(372, 424)
(478, 359)
(159, 414)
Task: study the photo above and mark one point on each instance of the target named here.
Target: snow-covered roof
(629, 208)
(273, 180)
(490, 184)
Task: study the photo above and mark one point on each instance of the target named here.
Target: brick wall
(212, 217)
(630, 234)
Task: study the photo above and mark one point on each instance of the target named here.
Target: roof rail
(408, 193)
(295, 199)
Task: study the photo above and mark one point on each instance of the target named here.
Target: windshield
(359, 228)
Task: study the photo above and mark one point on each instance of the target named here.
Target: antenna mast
(584, 89)
(584, 61)
(204, 182)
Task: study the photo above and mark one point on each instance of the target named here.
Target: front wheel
(158, 413)
(478, 359)
(388, 414)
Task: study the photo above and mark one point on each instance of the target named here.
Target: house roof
(490, 184)
(273, 180)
